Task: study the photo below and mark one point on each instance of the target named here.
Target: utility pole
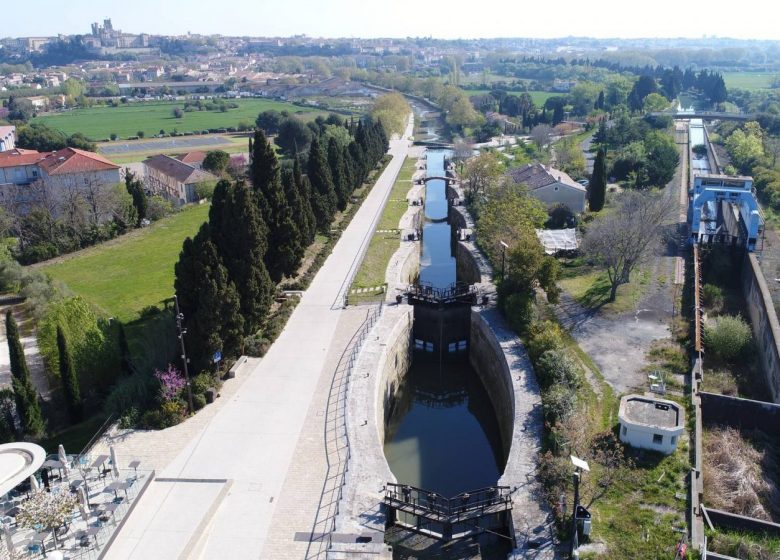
(182, 332)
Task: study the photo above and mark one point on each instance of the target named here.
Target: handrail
(429, 504)
(101, 430)
(346, 363)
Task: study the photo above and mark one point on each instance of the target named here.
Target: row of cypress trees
(258, 231)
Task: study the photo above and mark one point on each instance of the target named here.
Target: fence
(337, 441)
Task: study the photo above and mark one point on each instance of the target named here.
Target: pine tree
(323, 192)
(24, 392)
(69, 379)
(241, 239)
(208, 299)
(136, 190)
(307, 223)
(598, 182)
(339, 173)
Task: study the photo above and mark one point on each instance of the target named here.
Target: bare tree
(623, 239)
(541, 135)
(100, 199)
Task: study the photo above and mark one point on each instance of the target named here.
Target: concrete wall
(740, 413)
(763, 318)
(466, 266)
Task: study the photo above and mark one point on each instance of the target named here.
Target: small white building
(650, 423)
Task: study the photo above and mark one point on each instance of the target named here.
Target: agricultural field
(750, 80)
(538, 97)
(129, 273)
(98, 123)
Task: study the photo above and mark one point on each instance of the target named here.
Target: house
(19, 167)
(72, 167)
(7, 138)
(551, 186)
(173, 179)
(650, 423)
(195, 159)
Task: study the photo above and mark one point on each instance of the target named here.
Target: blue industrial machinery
(724, 210)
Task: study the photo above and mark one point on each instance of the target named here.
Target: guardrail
(337, 440)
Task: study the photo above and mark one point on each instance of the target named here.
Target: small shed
(650, 423)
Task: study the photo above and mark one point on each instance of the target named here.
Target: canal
(443, 434)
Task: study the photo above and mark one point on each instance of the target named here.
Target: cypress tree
(69, 379)
(358, 159)
(293, 197)
(284, 240)
(307, 222)
(339, 173)
(208, 299)
(349, 169)
(24, 392)
(241, 239)
(136, 190)
(124, 352)
(598, 182)
(323, 192)
(264, 166)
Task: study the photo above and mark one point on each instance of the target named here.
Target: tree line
(259, 228)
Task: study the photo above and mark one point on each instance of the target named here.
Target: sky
(446, 19)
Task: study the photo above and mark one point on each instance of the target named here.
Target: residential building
(19, 167)
(73, 167)
(173, 179)
(551, 186)
(195, 159)
(7, 138)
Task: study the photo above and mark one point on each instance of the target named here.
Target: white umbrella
(9, 542)
(63, 459)
(114, 462)
(34, 484)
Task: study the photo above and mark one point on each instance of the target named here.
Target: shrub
(558, 403)
(157, 207)
(712, 297)
(198, 401)
(518, 309)
(728, 337)
(134, 392)
(203, 382)
(544, 336)
(256, 345)
(554, 367)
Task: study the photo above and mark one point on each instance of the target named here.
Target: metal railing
(337, 440)
(437, 508)
(457, 292)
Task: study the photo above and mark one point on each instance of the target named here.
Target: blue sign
(217, 356)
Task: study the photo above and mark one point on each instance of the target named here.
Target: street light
(504, 247)
(579, 467)
(182, 332)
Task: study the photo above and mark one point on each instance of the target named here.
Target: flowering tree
(48, 510)
(171, 382)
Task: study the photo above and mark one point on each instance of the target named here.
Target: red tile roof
(72, 160)
(193, 157)
(18, 156)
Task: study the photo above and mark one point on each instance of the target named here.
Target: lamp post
(504, 247)
(579, 467)
(182, 332)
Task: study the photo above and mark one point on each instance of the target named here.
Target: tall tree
(307, 222)
(125, 364)
(70, 381)
(324, 194)
(282, 255)
(241, 239)
(26, 396)
(339, 173)
(598, 182)
(208, 299)
(136, 189)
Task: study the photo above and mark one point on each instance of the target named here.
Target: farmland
(98, 123)
(749, 80)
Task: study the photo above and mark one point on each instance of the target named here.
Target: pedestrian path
(250, 443)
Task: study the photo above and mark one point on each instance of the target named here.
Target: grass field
(538, 97)
(382, 246)
(749, 80)
(124, 275)
(98, 123)
(590, 287)
(235, 145)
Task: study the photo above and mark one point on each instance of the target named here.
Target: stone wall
(466, 266)
(763, 318)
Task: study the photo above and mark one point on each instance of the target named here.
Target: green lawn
(131, 272)
(382, 246)
(750, 80)
(98, 123)
(590, 287)
(538, 97)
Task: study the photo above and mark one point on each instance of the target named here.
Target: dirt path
(31, 351)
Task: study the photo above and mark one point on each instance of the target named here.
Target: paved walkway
(220, 494)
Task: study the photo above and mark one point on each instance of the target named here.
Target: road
(219, 497)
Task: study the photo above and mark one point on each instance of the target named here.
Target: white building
(551, 186)
(7, 138)
(650, 423)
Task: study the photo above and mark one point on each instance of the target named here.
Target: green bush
(519, 309)
(203, 382)
(134, 392)
(728, 337)
(168, 414)
(198, 401)
(555, 367)
(558, 403)
(712, 297)
(543, 336)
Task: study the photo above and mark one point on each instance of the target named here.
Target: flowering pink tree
(171, 382)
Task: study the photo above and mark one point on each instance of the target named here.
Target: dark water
(443, 434)
(437, 265)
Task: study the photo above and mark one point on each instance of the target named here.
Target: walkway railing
(337, 440)
(462, 292)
